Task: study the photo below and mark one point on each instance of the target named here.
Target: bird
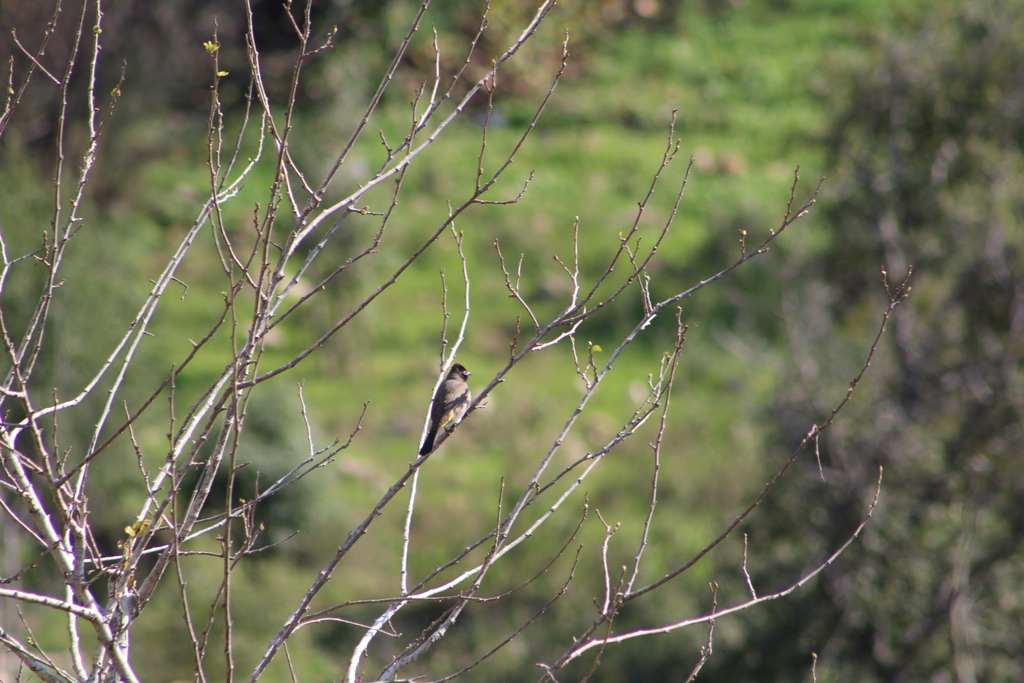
(450, 404)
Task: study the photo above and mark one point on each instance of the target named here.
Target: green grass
(750, 88)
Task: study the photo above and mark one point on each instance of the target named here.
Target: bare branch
(602, 641)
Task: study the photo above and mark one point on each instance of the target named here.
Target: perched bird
(450, 404)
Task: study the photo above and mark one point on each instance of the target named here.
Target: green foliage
(927, 146)
(759, 87)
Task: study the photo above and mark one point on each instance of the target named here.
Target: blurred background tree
(927, 151)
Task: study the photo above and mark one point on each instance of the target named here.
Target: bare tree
(46, 481)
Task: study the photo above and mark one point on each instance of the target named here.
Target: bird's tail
(428, 443)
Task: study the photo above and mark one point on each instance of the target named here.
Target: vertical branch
(407, 528)
(664, 391)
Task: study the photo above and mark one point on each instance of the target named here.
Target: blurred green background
(913, 113)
